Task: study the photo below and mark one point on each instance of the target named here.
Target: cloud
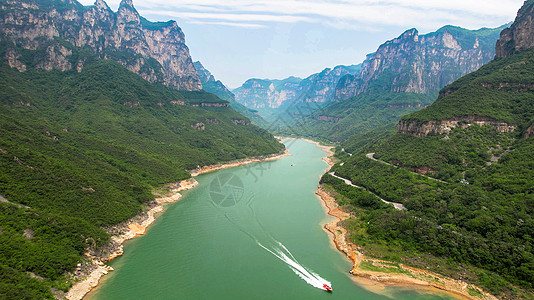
(347, 14)
(232, 17)
(231, 24)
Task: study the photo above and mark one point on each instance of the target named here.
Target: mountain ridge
(442, 56)
(476, 143)
(279, 94)
(56, 32)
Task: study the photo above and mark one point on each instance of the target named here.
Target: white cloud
(232, 24)
(232, 17)
(348, 14)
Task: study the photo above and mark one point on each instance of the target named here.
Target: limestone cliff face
(436, 127)
(55, 31)
(318, 88)
(264, 93)
(421, 63)
(520, 36)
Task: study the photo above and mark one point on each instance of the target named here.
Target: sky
(241, 39)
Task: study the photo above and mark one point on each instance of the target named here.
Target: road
(397, 206)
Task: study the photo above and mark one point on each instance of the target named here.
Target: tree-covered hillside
(80, 151)
(502, 89)
(468, 193)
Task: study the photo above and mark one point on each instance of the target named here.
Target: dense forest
(468, 193)
(81, 151)
(502, 89)
(356, 115)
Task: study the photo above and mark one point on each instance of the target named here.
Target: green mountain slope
(216, 87)
(475, 221)
(403, 76)
(85, 150)
(502, 90)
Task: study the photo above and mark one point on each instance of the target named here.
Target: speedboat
(327, 288)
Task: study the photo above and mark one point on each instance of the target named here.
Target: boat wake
(313, 279)
(247, 221)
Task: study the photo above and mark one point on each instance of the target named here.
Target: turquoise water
(207, 246)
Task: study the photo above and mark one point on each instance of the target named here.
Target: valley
(129, 170)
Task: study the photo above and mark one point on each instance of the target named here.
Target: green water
(199, 250)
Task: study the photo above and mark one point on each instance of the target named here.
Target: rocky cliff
(500, 94)
(49, 35)
(520, 36)
(317, 88)
(437, 127)
(265, 93)
(421, 63)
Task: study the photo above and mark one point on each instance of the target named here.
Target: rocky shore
(89, 272)
(400, 274)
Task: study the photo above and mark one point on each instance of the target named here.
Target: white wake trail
(311, 278)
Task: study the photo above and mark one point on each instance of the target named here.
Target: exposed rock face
(421, 63)
(520, 36)
(436, 127)
(529, 132)
(318, 88)
(58, 28)
(321, 87)
(264, 93)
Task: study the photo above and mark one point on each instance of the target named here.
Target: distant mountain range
(421, 64)
(276, 94)
(402, 76)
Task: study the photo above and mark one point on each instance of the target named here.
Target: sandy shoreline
(377, 281)
(95, 268)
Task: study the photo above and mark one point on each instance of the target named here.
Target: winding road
(397, 206)
(372, 157)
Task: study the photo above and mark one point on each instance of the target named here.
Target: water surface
(207, 246)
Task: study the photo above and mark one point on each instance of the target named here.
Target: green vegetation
(357, 115)
(502, 90)
(154, 25)
(217, 88)
(478, 226)
(487, 223)
(85, 150)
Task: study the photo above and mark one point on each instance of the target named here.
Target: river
(209, 244)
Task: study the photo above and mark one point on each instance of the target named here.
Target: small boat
(292, 165)
(327, 288)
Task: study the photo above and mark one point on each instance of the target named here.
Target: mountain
(414, 63)
(265, 93)
(210, 84)
(463, 168)
(518, 37)
(87, 143)
(402, 76)
(58, 34)
(279, 94)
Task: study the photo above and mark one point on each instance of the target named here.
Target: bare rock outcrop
(421, 64)
(56, 30)
(529, 132)
(520, 35)
(437, 127)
